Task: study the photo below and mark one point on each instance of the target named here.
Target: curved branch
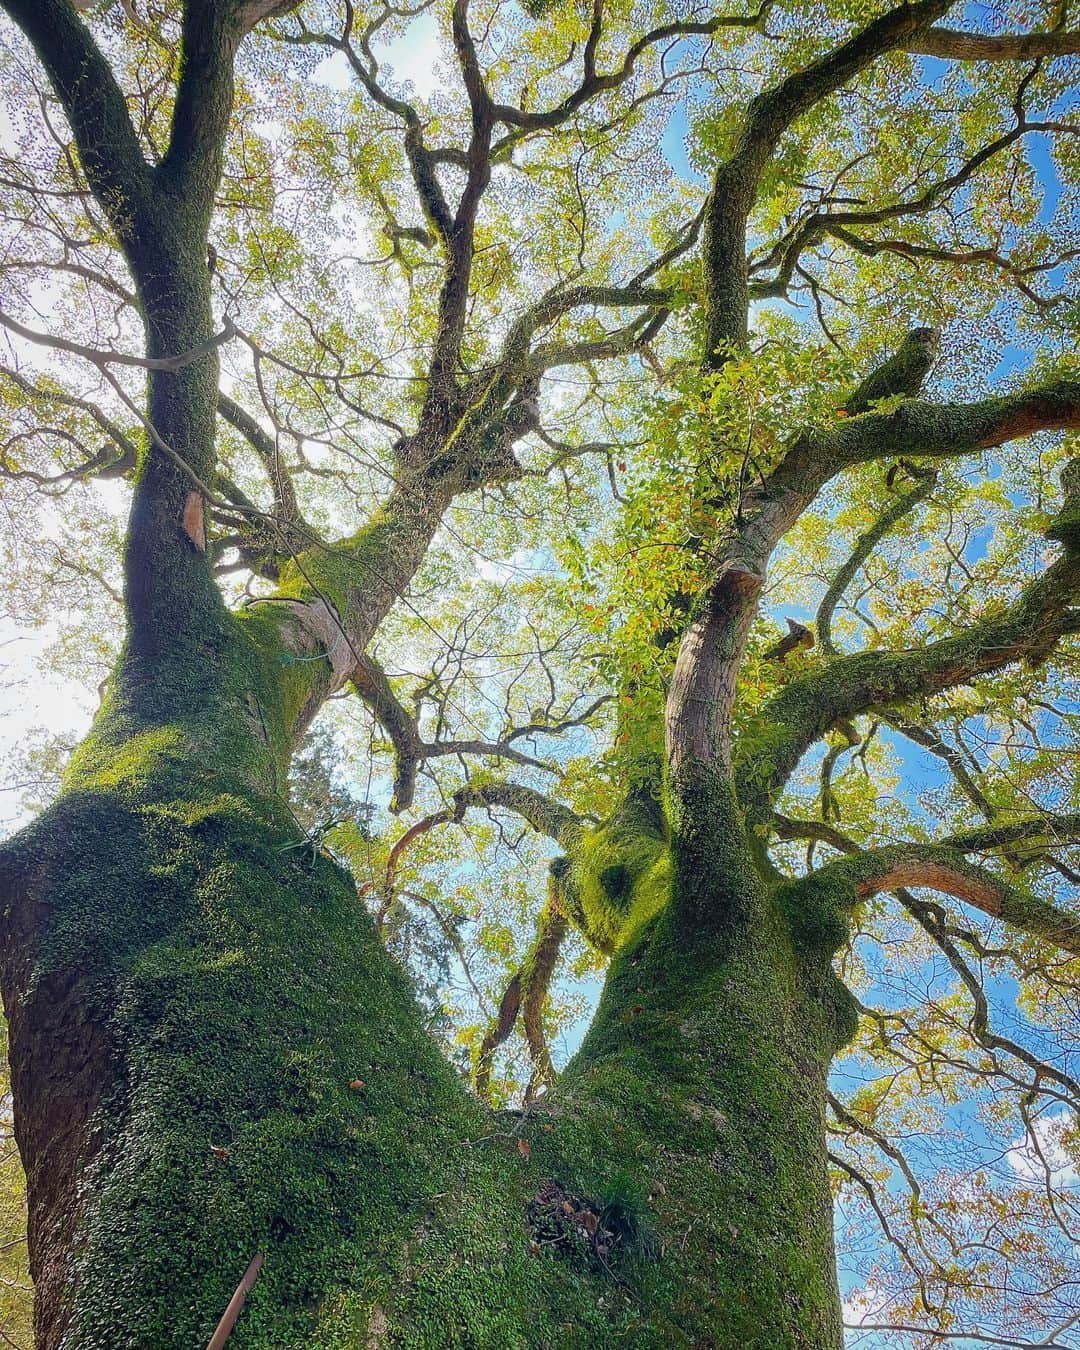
(544, 814)
(263, 445)
(864, 546)
(975, 841)
(539, 971)
(799, 714)
(109, 150)
(593, 83)
(929, 739)
(527, 993)
(101, 357)
(101, 465)
(979, 1026)
(952, 44)
(1019, 273)
(702, 692)
(786, 252)
(634, 337)
(942, 868)
(373, 686)
(421, 159)
(768, 117)
(517, 362)
(371, 683)
(499, 1031)
(875, 1204)
(1046, 829)
(818, 831)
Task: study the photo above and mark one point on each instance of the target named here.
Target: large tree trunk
(191, 993)
(213, 1056)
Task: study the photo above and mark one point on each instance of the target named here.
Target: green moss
(239, 992)
(218, 707)
(818, 910)
(703, 1082)
(333, 572)
(203, 950)
(622, 871)
(1065, 527)
(240, 995)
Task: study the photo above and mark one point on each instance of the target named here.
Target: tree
(213, 1053)
(16, 1292)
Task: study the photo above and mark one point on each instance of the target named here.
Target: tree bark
(214, 1057)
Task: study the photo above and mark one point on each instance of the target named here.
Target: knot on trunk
(321, 622)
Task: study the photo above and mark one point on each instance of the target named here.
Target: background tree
(495, 414)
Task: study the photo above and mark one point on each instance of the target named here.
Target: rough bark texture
(213, 1054)
(192, 995)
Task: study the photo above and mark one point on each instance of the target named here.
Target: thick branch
(771, 113)
(253, 12)
(502, 1025)
(371, 683)
(951, 44)
(702, 692)
(934, 430)
(160, 218)
(109, 150)
(341, 592)
(544, 814)
(768, 117)
(945, 869)
(527, 992)
(634, 337)
(819, 831)
(519, 362)
(1028, 629)
(1041, 832)
(539, 972)
(192, 164)
(1049, 830)
(459, 238)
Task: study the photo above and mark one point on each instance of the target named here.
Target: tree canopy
(605, 392)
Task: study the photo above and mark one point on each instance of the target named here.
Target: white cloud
(415, 55)
(862, 1306)
(412, 57)
(1046, 1139)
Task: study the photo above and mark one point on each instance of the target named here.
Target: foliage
(16, 1293)
(590, 468)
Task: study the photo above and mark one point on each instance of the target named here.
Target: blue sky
(413, 59)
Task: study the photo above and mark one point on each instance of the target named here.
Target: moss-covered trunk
(212, 1054)
(215, 1057)
(703, 1080)
(718, 1085)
